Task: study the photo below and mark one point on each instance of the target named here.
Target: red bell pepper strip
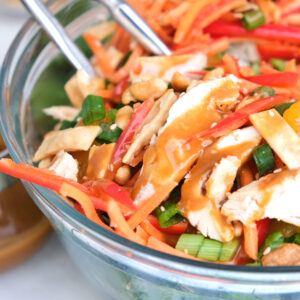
(111, 189)
(127, 135)
(49, 179)
(240, 117)
(274, 32)
(269, 50)
(121, 87)
(282, 79)
(263, 227)
(177, 229)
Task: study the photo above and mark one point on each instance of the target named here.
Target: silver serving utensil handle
(127, 17)
(59, 36)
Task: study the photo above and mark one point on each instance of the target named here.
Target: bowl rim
(53, 201)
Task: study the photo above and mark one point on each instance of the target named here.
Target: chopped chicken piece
(273, 196)
(286, 255)
(62, 113)
(45, 163)
(166, 66)
(167, 160)
(65, 165)
(72, 139)
(280, 136)
(99, 159)
(154, 120)
(212, 178)
(222, 178)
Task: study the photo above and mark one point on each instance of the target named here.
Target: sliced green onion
(229, 249)
(112, 115)
(105, 218)
(209, 68)
(274, 241)
(253, 19)
(278, 64)
(168, 214)
(92, 109)
(109, 134)
(107, 38)
(125, 58)
(264, 91)
(210, 250)
(67, 124)
(255, 67)
(190, 242)
(281, 108)
(264, 159)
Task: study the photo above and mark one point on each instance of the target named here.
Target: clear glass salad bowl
(32, 78)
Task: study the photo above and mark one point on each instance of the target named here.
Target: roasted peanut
(216, 73)
(153, 88)
(122, 175)
(179, 82)
(123, 116)
(127, 97)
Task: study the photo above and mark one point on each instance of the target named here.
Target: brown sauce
(23, 227)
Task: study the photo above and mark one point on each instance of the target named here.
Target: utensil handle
(126, 16)
(59, 36)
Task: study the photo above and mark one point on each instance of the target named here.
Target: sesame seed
(267, 251)
(277, 170)
(271, 113)
(162, 208)
(113, 126)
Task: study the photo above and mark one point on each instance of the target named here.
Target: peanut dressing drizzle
(168, 160)
(193, 198)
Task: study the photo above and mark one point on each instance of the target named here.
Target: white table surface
(49, 274)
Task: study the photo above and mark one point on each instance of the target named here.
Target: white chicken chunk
(212, 178)
(274, 196)
(222, 178)
(166, 66)
(65, 165)
(62, 113)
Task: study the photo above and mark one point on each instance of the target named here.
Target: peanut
(123, 175)
(123, 116)
(179, 82)
(153, 88)
(127, 97)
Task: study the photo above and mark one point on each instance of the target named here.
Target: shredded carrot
(99, 52)
(158, 245)
(266, 68)
(246, 71)
(291, 66)
(215, 11)
(150, 204)
(189, 18)
(156, 8)
(124, 71)
(107, 94)
(230, 65)
(246, 175)
(86, 204)
(170, 239)
(172, 16)
(118, 221)
(142, 233)
(247, 86)
(217, 46)
(251, 241)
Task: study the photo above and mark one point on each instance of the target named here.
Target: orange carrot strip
(222, 8)
(150, 204)
(156, 8)
(99, 52)
(246, 71)
(189, 18)
(164, 237)
(86, 204)
(158, 245)
(116, 38)
(231, 65)
(217, 46)
(246, 175)
(107, 94)
(124, 71)
(251, 241)
(118, 221)
(142, 233)
(291, 66)
(247, 87)
(266, 68)
(172, 16)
